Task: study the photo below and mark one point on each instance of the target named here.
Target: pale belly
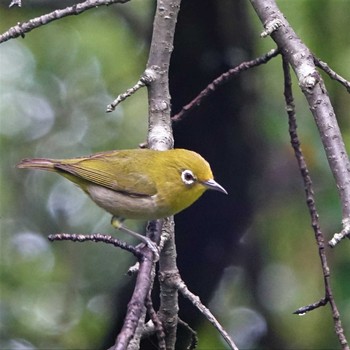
(126, 206)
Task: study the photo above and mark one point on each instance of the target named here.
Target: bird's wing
(119, 175)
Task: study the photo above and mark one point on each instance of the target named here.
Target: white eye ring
(188, 177)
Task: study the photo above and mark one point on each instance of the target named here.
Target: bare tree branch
(168, 310)
(160, 132)
(96, 237)
(147, 77)
(304, 309)
(136, 309)
(324, 66)
(21, 28)
(310, 200)
(180, 284)
(160, 135)
(311, 84)
(223, 78)
(157, 323)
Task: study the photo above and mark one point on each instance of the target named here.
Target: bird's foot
(118, 224)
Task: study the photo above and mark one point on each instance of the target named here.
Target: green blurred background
(251, 256)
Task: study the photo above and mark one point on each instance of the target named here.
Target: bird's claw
(155, 250)
(118, 224)
(152, 246)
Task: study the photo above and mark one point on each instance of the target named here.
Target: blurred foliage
(55, 86)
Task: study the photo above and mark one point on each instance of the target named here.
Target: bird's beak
(213, 185)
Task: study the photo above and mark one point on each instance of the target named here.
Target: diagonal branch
(147, 77)
(304, 309)
(310, 200)
(21, 28)
(325, 67)
(223, 78)
(302, 61)
(180, 284)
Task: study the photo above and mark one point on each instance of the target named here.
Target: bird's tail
(37, 163)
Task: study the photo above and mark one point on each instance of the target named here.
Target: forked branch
(302, 61)
(310, 201)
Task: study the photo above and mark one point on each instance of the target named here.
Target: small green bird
(138, 184)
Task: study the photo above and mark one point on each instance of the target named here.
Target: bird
(141, 184)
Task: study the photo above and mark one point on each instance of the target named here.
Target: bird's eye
(187, 177)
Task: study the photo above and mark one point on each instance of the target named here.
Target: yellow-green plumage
(138, 183)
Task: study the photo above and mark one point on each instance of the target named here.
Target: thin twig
(96, 237)
(205, 311)
(310, 200)
(337, 237)
(147, 77)
(120, 98)
(223, 78)
(158, 327)
(193, 333)
(332, 74)
(21, 28)
(304, 309)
